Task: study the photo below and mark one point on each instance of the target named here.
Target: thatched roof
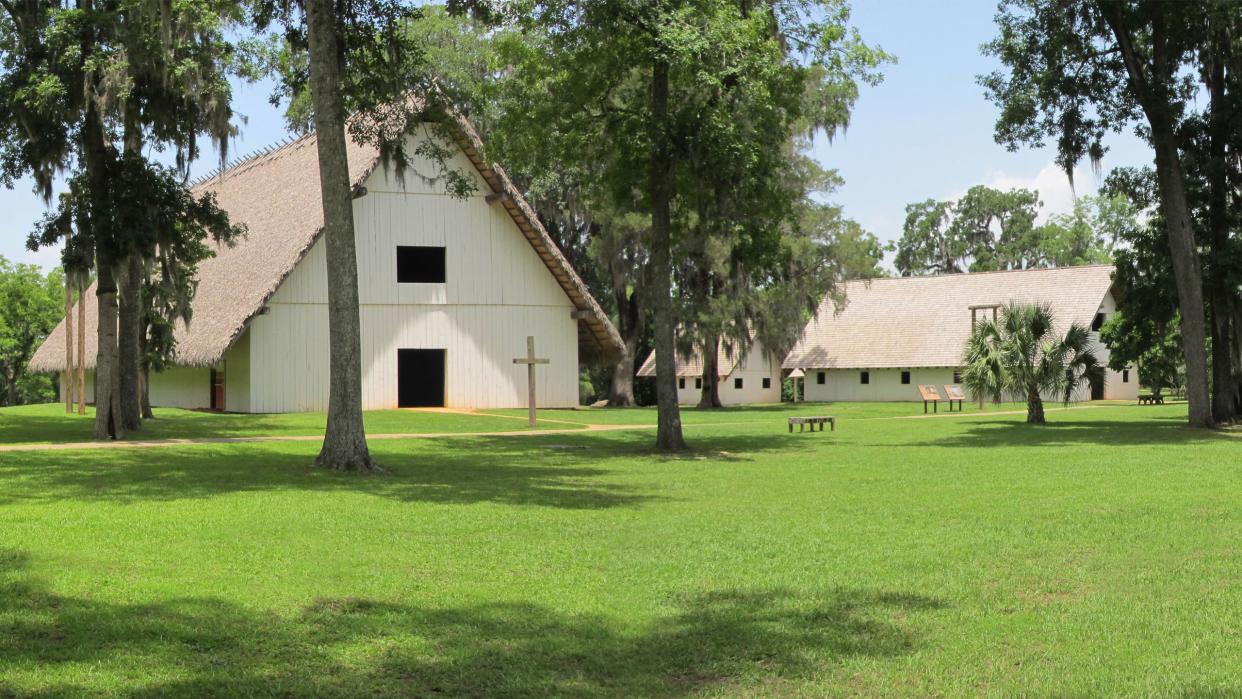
(925, 321)
(276, 195)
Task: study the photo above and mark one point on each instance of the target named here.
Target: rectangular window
(698, 383)
(1125, 376)
(1069, 375)
(737, 383)
(419, 264)
(905, 378)
(1098, 322)
(681, 382)
(821, 377)
(864, 377)
(957, 377)
(767, 383)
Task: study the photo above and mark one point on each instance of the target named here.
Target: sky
(925, 132)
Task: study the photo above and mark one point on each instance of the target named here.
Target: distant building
(449, 290)
(893, 334)
(753, 378)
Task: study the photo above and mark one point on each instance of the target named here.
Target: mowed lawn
(44, 424)
(1099, 555)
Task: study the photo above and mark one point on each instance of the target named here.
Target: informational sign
(928, 392)
(954, 392)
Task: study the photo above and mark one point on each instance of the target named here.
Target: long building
(890, 335)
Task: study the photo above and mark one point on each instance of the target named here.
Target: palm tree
(1021, 355)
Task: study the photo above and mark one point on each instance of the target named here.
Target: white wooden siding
(497, 291)
(753, 369)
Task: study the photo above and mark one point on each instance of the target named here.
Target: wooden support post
(68, 379)
(530, 360)
(82, 345)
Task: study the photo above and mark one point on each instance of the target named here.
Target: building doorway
(1097, 389)
(420, 378)
(217, 389)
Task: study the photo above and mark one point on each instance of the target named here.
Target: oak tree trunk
(668, 427)
(1154, 98)
(630, 326)
(345, 442)
(129, 355)
(147, 414)
(1220, 297)
(108, 422)
(709, 397)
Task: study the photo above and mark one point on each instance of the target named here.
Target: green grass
(1098, 555)
(44, 424)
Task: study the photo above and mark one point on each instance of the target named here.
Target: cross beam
(530, 360)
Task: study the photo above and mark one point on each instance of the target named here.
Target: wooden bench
(1150, 399)
(802, 423)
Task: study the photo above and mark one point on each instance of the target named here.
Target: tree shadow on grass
(566, 471)
(353, 647)
(1158, 431)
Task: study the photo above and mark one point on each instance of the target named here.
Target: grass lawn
(1099, 555)
(42, 424)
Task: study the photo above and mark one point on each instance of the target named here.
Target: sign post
(530, 360)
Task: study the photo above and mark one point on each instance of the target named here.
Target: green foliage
(989, 230)
(1154, 347)
(31, 303)
(1021, 356)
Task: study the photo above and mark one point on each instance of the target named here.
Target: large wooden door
(420, 378)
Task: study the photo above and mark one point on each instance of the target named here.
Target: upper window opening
(420, 264)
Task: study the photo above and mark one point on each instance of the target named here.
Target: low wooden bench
(1149, 399)
(802, 422)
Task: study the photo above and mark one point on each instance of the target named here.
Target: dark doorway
(217, 390)
(1097, 390)
(420, 378)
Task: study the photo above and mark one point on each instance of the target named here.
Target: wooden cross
(530, 360)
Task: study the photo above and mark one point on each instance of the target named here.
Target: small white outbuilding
(449, 291)
(747, 377)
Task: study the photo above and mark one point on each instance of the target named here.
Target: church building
(449, 291)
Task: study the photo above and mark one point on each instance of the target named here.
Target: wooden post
(530, 360)
(68, 379)
(82, 344)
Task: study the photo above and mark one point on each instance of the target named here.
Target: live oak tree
(84, 87)
(30, 305)
(644, 89)
(1077, 70)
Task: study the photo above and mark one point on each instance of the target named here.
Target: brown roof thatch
(276, 195)
(925, 321)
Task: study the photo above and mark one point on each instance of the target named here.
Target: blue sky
(925, 132)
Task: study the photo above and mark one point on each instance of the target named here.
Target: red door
(217, 390)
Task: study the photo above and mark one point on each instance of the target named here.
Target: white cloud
(1053, 186)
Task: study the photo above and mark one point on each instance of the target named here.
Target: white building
(893, 334)
(449, 290)
(752, 378)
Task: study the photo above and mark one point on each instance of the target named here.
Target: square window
(698, 383)
(820, 377)
(1125, 376)
(737, 383)
(767, 383)
(864, 377)
(419, 264)
(957, 377)
(681, 382)
(905, 377)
